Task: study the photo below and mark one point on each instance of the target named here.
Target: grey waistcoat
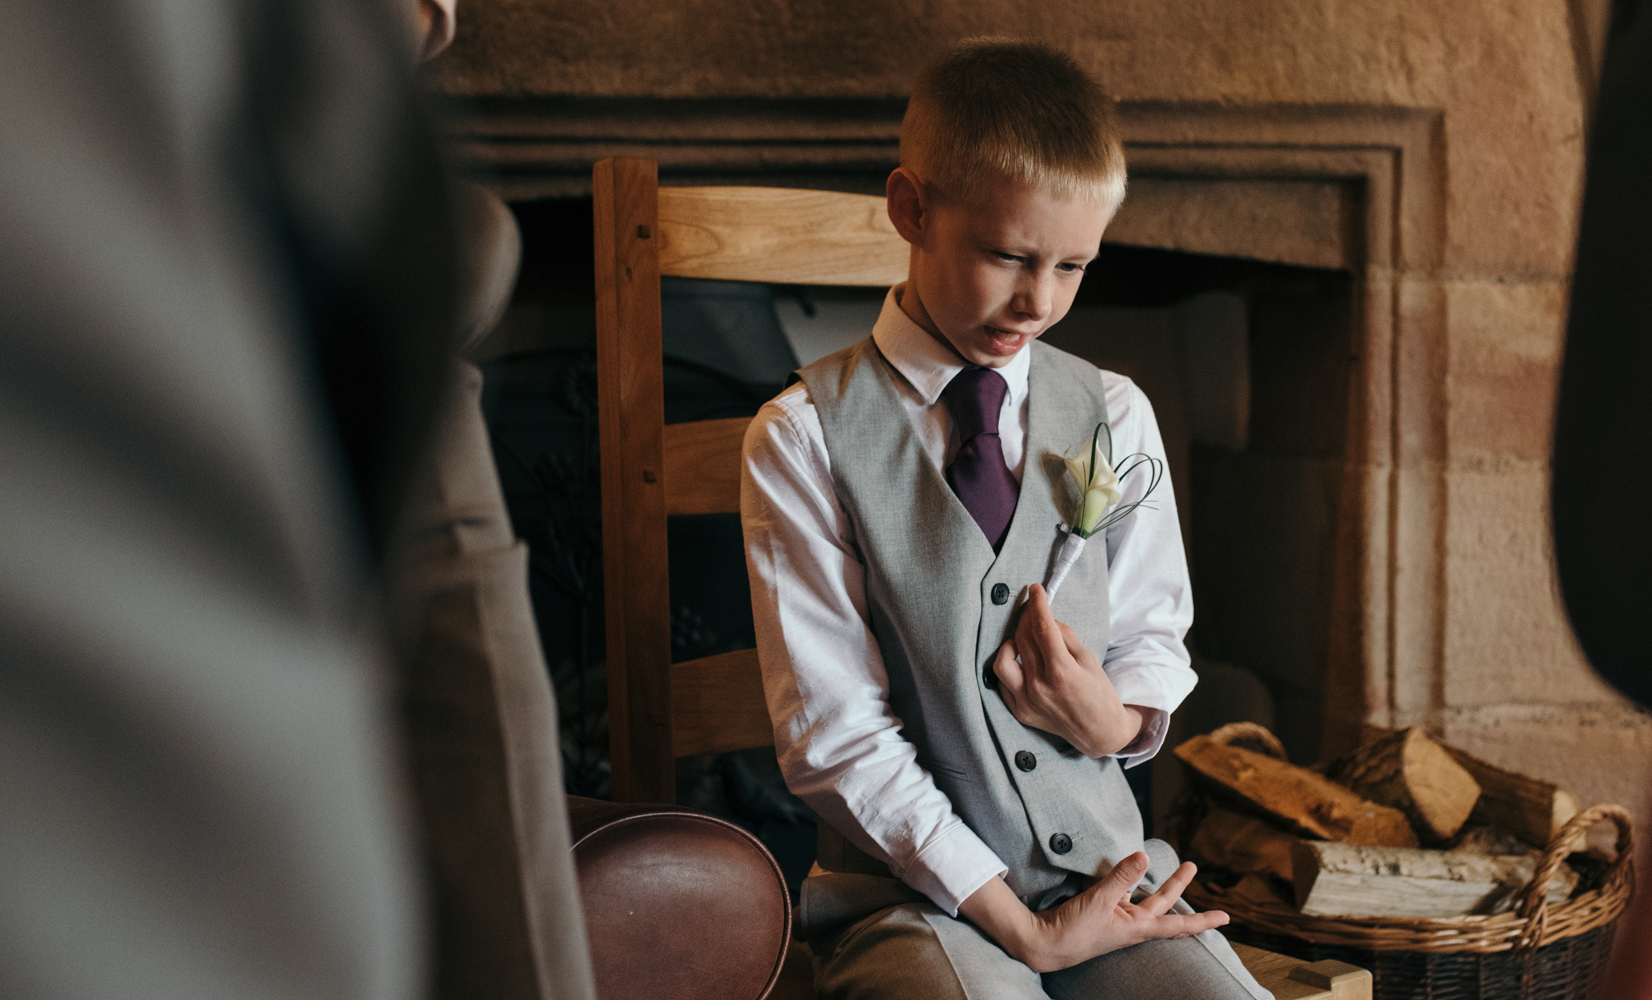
(930, 575)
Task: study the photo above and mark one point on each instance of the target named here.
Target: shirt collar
(926, 363)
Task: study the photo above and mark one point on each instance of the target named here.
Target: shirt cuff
(952, 867)
(1155, 725)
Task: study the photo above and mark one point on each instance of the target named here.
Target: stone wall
(1510, 79)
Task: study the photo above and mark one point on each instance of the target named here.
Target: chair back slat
(717, 705)
(702, 466)
(779, 235)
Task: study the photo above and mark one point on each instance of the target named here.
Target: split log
(1531, 809)
(1354, 880)
(1301, 800)
(1415, 775)
(1244, 845)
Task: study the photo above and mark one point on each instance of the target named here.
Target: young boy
(962, 748)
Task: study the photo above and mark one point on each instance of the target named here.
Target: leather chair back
(679, 905)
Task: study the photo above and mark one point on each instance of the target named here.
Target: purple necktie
(977, 473)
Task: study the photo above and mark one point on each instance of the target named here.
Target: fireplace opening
(1248, 367)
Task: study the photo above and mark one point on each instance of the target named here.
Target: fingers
(1075, 646)
(1120, 882)
(1179, 925)
(1071, 641)
(1172, 889)
(1100, 919)
(1026, 650)
(1009, 673)
(1153, 921)
(1044, 625)
(1038, 634)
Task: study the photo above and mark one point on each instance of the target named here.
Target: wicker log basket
(1537, 951)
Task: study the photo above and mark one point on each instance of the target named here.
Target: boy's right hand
(1096, 921)
(1051, 681)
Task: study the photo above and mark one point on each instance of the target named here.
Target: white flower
(1096, 479)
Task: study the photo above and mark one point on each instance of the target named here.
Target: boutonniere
(1101, 485)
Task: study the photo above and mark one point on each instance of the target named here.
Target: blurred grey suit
(222, 242)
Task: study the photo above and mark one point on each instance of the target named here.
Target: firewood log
(1244, 845)
(1415, 775)
(1477, 838)
(1304, 802)
(1532, 809)
(1260, 890)
(1354, 880)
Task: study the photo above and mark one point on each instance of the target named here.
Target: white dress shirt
(839, 743)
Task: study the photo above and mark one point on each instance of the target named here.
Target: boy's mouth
(1004, 343)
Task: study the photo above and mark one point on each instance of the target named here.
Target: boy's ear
(906, 202)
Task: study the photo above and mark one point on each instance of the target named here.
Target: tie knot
(975, 395)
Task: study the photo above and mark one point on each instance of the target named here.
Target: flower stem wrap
(1071, 548)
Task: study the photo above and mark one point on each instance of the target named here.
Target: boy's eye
(1009, 257)
(1070, 268)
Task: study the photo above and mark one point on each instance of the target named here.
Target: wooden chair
(657, 710)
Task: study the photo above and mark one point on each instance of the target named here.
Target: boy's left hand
(1050, 681)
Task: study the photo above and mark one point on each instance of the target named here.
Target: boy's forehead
(991, 187)
(1015, 210)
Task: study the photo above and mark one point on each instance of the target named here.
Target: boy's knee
(892, 953)
(1193, 968)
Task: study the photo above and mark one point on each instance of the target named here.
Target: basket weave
(1536, 950)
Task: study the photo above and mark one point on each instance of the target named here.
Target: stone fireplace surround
(1353, 188)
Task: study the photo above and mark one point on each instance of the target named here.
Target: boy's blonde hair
(1019, 109)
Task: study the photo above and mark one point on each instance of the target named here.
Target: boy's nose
(1034, 295)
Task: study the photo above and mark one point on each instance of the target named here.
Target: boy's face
(990, 275)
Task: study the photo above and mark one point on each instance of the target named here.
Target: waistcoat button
(1000, 593)
(1060, 843)
(1025, 760)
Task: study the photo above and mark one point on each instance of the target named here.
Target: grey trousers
(874, 937)
(916, 952)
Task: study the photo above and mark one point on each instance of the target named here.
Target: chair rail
(717, 705)
(779, 235)
(702, 466)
